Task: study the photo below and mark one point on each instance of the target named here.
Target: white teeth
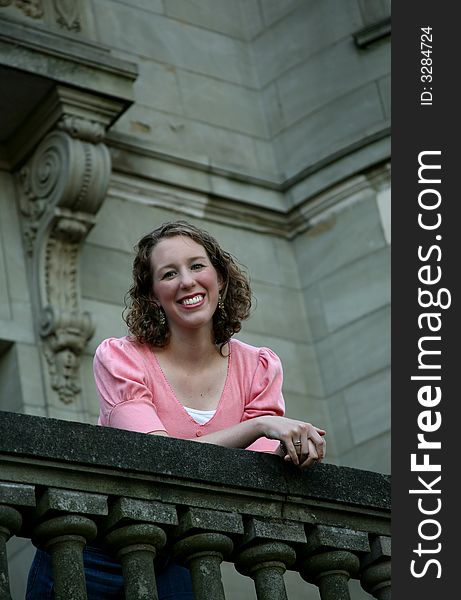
(194, 300)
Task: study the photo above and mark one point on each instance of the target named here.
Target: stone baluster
(266, 553)
(63, 525)
(135, 533)
(329, 559)
(13, 497)
(375, 573)
(204, 541)
(10, 523)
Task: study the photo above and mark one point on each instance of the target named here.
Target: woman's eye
(197, 266)
(168, 275)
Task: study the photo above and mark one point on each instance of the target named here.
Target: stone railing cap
(35, 438)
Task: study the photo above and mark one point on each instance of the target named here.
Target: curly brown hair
(145, 319)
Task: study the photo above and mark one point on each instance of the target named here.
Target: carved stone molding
(68, 14)
(31, 8)
(77, 127)
(62, 187)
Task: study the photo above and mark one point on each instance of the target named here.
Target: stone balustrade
(66, 484)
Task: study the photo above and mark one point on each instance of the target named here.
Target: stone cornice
(75, 76)
(284, 222)
(38, 45)
(124, 145)
(280, 207)
(197, 204)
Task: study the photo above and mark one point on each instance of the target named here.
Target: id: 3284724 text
(425, 39)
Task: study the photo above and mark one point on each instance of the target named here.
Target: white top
(200, 416)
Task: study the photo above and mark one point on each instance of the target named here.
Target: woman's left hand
(306, 452)
(300, 442)
(305, 459)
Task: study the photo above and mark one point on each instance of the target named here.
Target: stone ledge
(37, 438)
(36, 39)
(373, 33)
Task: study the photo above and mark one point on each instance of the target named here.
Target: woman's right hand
(302, 443)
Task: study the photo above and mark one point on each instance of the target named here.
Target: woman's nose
(187, 280)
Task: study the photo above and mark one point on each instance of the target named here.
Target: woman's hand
(301, 443)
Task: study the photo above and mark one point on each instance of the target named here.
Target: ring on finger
(298, 443)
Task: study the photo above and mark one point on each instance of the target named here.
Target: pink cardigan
(134, 393)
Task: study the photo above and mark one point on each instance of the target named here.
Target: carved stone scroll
(62, 188)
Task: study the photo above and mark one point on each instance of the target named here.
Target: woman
(181, 374)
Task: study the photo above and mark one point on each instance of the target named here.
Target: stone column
(65, 538)
(375, 574)
(204, 540)
(265, 564)
(135, 534)
(329, 559)
(203, 554)
(136, 546)
(13, 497)
(10, 523)
(63, 525)
(331, 572)
(266, 552)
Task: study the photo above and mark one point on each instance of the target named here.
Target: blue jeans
(104, 580)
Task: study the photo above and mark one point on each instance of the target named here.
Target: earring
(221, 304)
(161, 317)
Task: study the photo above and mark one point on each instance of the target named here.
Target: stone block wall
(344, 262)
(264, 122)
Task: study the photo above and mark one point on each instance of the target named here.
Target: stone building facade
(267, 122)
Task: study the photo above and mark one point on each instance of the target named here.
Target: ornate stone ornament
(31, 8)
(68, 14)
(62, 187)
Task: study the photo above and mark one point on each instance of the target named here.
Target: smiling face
(186, 284)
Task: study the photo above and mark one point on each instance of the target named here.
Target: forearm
(240, 435)
(300, 442)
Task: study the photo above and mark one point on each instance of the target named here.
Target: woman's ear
(154, 299)
(222, 285)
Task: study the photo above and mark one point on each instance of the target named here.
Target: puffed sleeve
(124, 399)
(266, 395)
